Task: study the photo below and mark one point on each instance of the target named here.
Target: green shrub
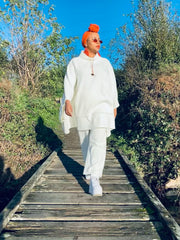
(149, 88)
(24, 112)
(149, 123)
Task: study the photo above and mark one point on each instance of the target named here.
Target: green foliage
(156, 143)
(149, 121)
(22, 114)
(153, 40)
(116, 142)
(148, 81)
(52, 81)
(3, 57)
(35, 43)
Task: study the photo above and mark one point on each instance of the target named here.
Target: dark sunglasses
(95, 40)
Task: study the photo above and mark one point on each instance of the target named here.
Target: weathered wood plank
(77, 157)
(51, 186)
(70, 179)
(78, 151)
(85, 229)
(135, 207)
(105, 179)
(79, 171)
(83, 213)
(58, 164)
(9, 236)
(82, 198)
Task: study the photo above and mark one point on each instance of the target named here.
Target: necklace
(92, 70)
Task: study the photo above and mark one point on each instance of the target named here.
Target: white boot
(95, 188)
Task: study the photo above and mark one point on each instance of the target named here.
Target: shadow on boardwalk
(46, 136)
(9, 186)
(75, 169)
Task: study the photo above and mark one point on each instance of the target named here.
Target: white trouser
(93, 145)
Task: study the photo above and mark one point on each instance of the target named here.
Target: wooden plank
(85, 229)
(9, 236)
(51, 186)
(79, 158)
(81, 198)
(134, 207)
(78, 154)
(79, 171)
(71, 178)
(83, 213)
(71, 156)
(59, 164)
(78, 151)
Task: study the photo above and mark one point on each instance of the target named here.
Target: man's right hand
(68, 108)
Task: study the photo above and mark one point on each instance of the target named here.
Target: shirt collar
(84, 56)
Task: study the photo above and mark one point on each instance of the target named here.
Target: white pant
(93, 145)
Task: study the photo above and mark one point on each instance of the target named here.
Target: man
(90, 103)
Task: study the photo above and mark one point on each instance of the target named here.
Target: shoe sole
(96, 195)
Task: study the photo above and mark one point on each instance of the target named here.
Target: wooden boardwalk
(55, 204)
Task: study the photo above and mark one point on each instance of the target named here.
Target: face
(93, 43)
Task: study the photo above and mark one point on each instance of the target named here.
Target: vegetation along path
(55, 204)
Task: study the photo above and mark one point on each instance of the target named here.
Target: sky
(76, 17)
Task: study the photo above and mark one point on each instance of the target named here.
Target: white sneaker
(88, 177)
(95, 188)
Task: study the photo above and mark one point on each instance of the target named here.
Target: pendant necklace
(92, 70)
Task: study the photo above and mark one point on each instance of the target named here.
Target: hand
(115, 112)
(68, 108)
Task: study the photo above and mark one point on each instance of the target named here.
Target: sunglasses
(95, 40)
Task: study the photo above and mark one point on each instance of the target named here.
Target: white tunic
(93, 97)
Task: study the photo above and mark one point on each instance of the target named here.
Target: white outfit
(93, 98)
(93, 145)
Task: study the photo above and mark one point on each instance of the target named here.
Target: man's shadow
(46, 136)
(49, 139)
(74, 168)
(8, 188)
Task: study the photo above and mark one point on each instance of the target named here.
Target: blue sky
(76, 16)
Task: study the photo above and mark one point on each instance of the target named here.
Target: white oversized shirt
(93, 97)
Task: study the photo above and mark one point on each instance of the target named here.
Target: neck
(89, 53)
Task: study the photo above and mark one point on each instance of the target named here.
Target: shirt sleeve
(69, 81)
(114, 87)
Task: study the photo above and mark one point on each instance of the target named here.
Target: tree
(3, 57)
(149, 88)
(152, 39)
(34, 37)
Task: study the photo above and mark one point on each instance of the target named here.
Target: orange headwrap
(92, 28)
